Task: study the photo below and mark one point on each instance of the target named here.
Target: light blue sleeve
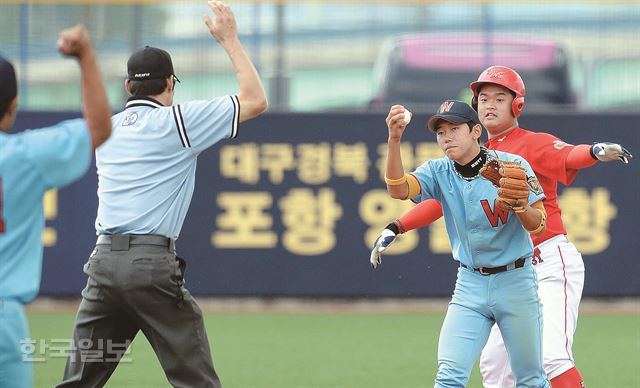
(535, 189)
(61, 153)
(428, 183)
(208, 122)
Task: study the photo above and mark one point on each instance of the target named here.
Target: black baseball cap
(453, 111)
(8, 84)
(149, 63)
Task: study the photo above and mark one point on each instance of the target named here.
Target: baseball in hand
(407, 117)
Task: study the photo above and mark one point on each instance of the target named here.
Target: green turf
(344, 350)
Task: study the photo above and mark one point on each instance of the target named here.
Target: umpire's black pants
(136, 283)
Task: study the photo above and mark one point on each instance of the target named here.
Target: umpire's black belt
(494, 270)
(122, 242)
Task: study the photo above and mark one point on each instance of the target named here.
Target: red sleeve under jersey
(423, 214)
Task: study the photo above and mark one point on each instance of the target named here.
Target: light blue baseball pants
(14, 371)
(511, 300)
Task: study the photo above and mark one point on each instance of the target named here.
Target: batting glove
(387, 237)
(606, 152)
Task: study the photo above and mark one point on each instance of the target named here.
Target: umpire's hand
(74, 41)
(225, 27)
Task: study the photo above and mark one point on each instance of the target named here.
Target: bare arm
(75, 42)
(395, 169)
(251, 96)
(533, 218)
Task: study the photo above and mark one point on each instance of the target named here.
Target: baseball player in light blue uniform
(146, 175)
(32, 162)
(496, 281)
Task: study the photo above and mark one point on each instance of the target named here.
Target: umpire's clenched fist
(74, 41)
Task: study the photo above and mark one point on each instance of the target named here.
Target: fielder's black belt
(494, 270)
(121, 242)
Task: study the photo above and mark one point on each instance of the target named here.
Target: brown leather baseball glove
(511, 180)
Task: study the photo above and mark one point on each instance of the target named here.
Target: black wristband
(593, 155)
(393, 227)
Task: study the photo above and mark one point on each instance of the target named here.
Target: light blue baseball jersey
(146, 170)
(481, 234)
(32, 162)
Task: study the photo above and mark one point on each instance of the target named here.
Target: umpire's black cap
(149, 63)
(454, 111)
(8, 84)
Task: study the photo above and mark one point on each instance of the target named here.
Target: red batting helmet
(504, 76)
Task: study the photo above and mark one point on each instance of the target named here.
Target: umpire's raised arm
(251, 96)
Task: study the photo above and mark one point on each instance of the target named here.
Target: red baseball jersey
(547, 156)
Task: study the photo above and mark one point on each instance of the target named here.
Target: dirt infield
(345, 306)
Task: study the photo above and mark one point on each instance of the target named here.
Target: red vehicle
(421, 70)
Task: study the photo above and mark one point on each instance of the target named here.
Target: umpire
(146, 177)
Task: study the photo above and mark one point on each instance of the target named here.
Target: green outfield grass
(281, 350)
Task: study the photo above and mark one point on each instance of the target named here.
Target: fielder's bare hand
(74, 42)
(396, 121)
(224, 29)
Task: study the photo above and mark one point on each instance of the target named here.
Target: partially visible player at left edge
(32, 162)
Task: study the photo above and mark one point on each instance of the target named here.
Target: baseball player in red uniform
(498, 96)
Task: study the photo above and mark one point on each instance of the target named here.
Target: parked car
(421, 70)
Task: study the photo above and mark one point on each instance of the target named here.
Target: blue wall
(291, 207)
